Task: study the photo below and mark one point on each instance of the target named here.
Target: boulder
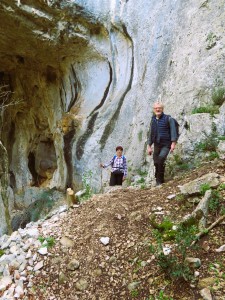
(221, 149)
(194, 187)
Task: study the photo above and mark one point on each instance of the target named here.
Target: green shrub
(218, 95)
(161, 296)
(206, 109)
(209, 144)
(178, 160)
(211, 40)
(143, 186)
(134, 293)
(142, 173)
(221, 138)
(2, 252)
(141, 180)
(204, 187)
(213, 155)
(222, 187)
(173, 264)
(47, 242)
(180, 198)
(222, 211)
(214, 202)
(184, 166)
(86, 180)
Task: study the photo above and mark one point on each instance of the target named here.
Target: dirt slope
(106, 271)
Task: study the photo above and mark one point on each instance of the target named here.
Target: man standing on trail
(163, 134)
(119, 167)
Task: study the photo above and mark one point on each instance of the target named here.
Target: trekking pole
(101, 181)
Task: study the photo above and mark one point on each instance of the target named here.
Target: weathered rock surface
(206, 294)
(221, 149)
(194, 187)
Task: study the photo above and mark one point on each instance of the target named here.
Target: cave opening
(31, 166)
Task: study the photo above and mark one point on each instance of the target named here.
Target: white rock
(22, 267)
(166, 250)
(104, 240)
(221, 249)
(29, 254)
(43, 251)
(5, 282)
(80, 193)
(30, 261)
(5, 245)
(159, 208)
(206, 294)
(16, 275)
(19, 291)
(15, 236)
(33, 232)
(221, 149)
(38, 266)
(196, 273)
(171, 196)
(6, 271)
(66, 242)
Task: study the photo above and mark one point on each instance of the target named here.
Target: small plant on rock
(218, 95)
(47, 242)
(213, 155)
(204, 187)
(141, 180)
(222, 187)
(214, 202)
(142, 173)
(173, 264)
(2, 252)
(86, 180)
(134, 293)
(212, 110)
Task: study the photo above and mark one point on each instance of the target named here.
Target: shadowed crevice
(110, 126)
(83, 139)
(68, 145)
(77, 88)
(90, 127)
(106, 91)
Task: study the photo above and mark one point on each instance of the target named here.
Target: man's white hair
(158, 103)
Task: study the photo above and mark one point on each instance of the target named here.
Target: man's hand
(149, 150)
(101, 165)
(124, 178)
(173, 145)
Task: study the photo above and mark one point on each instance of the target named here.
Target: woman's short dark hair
(119, 148)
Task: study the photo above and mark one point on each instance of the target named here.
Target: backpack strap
(114, 157)
(168, 117)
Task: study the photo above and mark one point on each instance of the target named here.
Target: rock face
(87, 73)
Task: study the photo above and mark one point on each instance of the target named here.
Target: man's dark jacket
(162, 131)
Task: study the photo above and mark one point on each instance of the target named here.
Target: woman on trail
(119, 167)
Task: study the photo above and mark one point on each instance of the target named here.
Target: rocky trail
(100, 249)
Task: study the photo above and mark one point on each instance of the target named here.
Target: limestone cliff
(87, 73)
